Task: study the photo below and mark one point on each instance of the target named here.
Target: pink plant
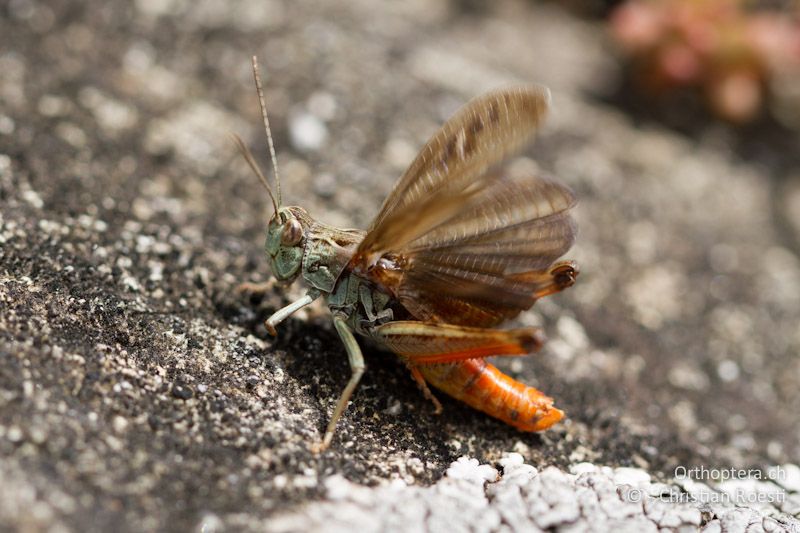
(728, 53)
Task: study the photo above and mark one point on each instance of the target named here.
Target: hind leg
(424, 343)
(425, 346)
(423, 386)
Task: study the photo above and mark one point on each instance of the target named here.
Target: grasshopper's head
(286, 240)
(289, 226)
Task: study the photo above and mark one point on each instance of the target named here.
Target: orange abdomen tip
(483, 387)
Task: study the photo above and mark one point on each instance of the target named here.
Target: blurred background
(136, 384)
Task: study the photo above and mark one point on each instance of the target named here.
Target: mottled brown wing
(457, 242)
(451, 169)
(493, 260)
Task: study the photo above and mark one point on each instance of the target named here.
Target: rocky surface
(476, 497)
(138, 389)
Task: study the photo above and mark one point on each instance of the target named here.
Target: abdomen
(482, 386)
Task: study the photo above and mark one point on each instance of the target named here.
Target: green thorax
(359, 303)
(327, 252)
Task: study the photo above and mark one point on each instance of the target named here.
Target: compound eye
(292, 232)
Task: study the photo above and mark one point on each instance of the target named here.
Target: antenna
(248, 156)
(267, 129)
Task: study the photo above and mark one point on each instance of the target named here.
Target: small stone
(52, 106)
(471, 470)
(728, 370)
(182, 392)
(33, 198)
(119, 424)
(307, 133)
(512, 459)
(14, 434)
(689, 376)
(37, 434)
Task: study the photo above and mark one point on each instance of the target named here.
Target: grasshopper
(456, 249)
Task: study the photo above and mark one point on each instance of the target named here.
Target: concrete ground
(139, 390)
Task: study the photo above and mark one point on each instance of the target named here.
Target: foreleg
(285, 312)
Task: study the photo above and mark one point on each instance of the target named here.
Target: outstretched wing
(493, 260)
(451, 167)
(457, 242)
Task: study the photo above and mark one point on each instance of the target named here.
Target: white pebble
(307, 133)
(728, 370)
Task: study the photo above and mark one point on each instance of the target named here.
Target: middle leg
(357, 367)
